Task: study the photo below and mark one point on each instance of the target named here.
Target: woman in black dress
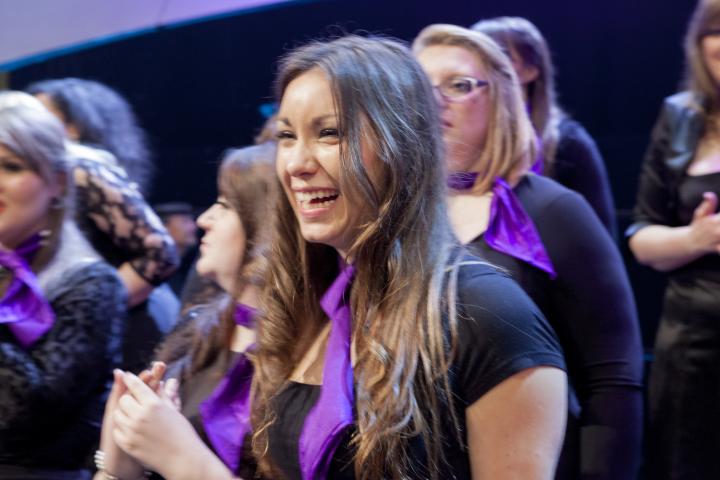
(677, 230)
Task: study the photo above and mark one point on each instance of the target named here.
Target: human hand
(705, 226)
(117, 462)
(149, 427)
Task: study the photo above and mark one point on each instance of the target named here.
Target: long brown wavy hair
(510, 144)
(402, 344)
(246, 178)
(517, 35)
(705, 19)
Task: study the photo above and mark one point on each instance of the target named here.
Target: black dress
(684, 388)
(500, 333)
(591, 307)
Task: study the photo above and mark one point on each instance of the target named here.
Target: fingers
(153, 376)
(170, 393)
(138, 389)
(118, 389)
(708, 206)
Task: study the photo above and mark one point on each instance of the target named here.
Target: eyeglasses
(455, 89)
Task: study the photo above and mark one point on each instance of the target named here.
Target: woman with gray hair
(61, 308)
(120, 225)
(677, 231)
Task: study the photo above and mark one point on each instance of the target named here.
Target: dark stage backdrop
(197, 89)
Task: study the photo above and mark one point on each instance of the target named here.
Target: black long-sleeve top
(591, 307)
(579, 166)
(53, 393)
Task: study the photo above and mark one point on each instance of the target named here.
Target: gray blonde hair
(33, 134)
(510, 143)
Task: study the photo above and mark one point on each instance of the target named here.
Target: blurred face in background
(222, 247)
(182, 229)
(710, 47)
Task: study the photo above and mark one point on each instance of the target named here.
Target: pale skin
(143, 424)
(666, 248)
(465, 125)
(516, 429)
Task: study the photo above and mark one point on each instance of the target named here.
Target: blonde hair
(510, 142)
(697, 78)
(400, 255)
(517, 35)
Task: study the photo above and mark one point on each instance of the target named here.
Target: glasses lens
(457, 87)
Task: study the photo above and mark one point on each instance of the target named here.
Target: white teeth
(308, 196)
(305, 199)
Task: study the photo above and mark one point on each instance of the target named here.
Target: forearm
(611, 435)
(200, 462)
(137, 287)
(664, 248)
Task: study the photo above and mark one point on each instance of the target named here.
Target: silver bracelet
(100, 465)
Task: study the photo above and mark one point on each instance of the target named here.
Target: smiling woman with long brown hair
(385, 351)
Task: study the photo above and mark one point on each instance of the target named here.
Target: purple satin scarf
(24, 308)
(510, 230)
(538, 167)
(226, 412)
(333, 413)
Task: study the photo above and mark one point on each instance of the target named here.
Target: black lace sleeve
(115, 207)
(54, 378)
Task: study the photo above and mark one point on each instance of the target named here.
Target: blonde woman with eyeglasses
(549, 240)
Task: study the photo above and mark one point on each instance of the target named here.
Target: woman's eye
(222, 204)
(284, 135)
(11, 167)
(461, 86)
(329, 132)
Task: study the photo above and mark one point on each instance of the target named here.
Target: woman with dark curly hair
(110, 161)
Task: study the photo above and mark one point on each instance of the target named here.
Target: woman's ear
(526, 73)
(59, 187)
(73, 132)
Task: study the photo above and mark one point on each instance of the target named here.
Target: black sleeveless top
(500, 333)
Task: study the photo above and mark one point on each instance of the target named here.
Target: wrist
(119, 470)
(202, 463)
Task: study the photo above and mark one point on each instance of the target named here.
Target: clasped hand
(144, 427)
(705, 226)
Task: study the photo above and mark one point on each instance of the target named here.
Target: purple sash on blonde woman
(510, 229)
(328, 420)
(24, 308)
(226, 413)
